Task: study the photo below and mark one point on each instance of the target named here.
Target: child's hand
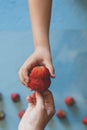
(41, 56)
(39, 112)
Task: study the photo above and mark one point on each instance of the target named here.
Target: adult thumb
(39, 100)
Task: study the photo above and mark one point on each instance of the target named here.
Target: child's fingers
(27, 67)
(21, 77)
(26, 74)
(51, 69)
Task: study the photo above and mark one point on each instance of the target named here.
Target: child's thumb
(51, 70)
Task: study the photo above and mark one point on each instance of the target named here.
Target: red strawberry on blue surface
(69, 101)
(84, 121)
(39, 79)
(61, 114)
(15, 97)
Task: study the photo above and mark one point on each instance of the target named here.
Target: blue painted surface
(69, 14)
(69, 51)
(66, 14)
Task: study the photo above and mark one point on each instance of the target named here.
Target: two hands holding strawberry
(41, 104)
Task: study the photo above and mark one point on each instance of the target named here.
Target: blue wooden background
(66, 14)
(69, 52)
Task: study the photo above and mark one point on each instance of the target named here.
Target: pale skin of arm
(40, 14)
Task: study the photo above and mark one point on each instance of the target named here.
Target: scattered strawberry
(21, 113)
(15, 97)
(2, 115)
(84, 121)
(39, 79)
(61, 114)
(69, 101)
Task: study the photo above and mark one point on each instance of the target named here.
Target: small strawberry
(2, 115)
(21, 113)
(84, 121)
(15, 97)
(69, 101)
(39, 79)
(61, 114)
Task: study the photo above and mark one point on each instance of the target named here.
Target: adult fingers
(31, 99)
(49, 102)
(39, 101)
(48, 97)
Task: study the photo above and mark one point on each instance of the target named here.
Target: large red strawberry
(39, 79)
(21, 113)
(61, 114)
(15, 97)
(84, 121)
(69, 101)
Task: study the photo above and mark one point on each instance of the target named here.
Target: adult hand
(40, 110)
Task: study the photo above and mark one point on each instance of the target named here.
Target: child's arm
(40, 13)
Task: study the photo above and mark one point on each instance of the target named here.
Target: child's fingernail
(53, 75)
